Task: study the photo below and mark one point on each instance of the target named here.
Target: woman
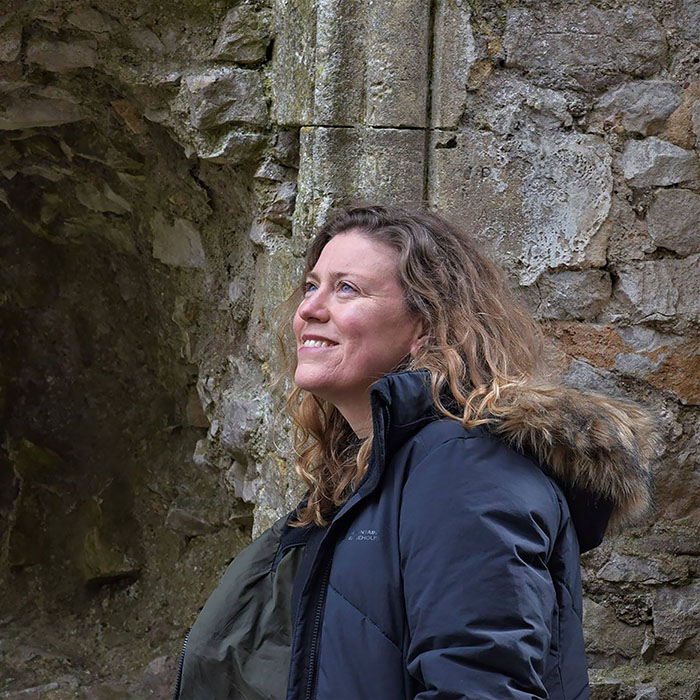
(450, 490)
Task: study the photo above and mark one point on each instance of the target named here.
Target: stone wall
(162, 166)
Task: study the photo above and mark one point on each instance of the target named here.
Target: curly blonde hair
(481, 343)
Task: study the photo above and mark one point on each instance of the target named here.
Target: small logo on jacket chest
(362, 536)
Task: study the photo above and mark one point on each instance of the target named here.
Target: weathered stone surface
(239, 418)
(233, 148)
(683, 126)
(573, 294)
(340, 60)
(90, 20)
(226, 95)
(677, 619)
(656, 163)
(397, 63)
(10, 42)
(340, 165)
(187, 523)
(31, 112)
(625, 567)
(639, 107)
(607, 635)
(61, 56)
(103, 199)
(674, 220)
(454, 54)
(659, 290)
(178, 244)
(103, 560)
(626, 233)
(293, 66)
(244, 35)
(510, 194)
(584, 48)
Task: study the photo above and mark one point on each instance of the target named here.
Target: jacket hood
(600, 450)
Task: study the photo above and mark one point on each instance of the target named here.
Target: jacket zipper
(180, 666)
(317, 630)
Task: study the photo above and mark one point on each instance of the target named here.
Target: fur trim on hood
(605, 446)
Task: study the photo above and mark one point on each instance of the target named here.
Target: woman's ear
(420, 338)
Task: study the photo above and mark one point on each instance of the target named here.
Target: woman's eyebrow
(337, 275)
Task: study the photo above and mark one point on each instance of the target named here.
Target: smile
(317, 343)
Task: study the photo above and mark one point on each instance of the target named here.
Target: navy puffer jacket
(451, 573)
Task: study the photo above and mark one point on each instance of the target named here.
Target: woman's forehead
(356, 252)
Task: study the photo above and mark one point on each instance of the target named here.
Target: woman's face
(352, 326)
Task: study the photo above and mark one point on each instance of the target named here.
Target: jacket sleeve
(477, 526)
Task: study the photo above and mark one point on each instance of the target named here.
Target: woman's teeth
(316, 344)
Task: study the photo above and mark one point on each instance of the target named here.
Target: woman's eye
(345, 287)
(309, 287)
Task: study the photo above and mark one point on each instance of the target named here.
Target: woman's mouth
(313, 343)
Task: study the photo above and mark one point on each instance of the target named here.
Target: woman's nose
(314, 307)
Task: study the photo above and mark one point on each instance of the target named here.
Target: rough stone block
(339, 87)
(573, 294)
(234, 148)
(244, 35)
(454, 54)
(101, 200)
(656, 163)
(32, 112)
(659, 290)
(61, 56)
(341, 62)
(674, 220)
(338, 165)
(89, 20)
(583, 47)
(683, 126)
(178, 244)
(225, 95)
(187, 523)
(640, 107)
(677, 618)
(293, 64)
(239, 417)
(626, 233)
(536, 202)
(397, 63)
(10, 42)
(628, 568)
(607, 635)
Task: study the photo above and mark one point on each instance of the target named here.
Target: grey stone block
(660, 290)
(537, 202)
(573, 294)
(293, 64)
(674, 220)
(225, 95)
(341, 37)
(397, 63)
(677, 618)
(640, 107)
(454, 53)
(607, 635)
(656, 163)
(61, 56)
(585, 48)
(178, 244)
(10, 42)
(244, 35)
(31, 112)
(338, 165)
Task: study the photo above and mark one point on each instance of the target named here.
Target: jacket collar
(601, 450)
